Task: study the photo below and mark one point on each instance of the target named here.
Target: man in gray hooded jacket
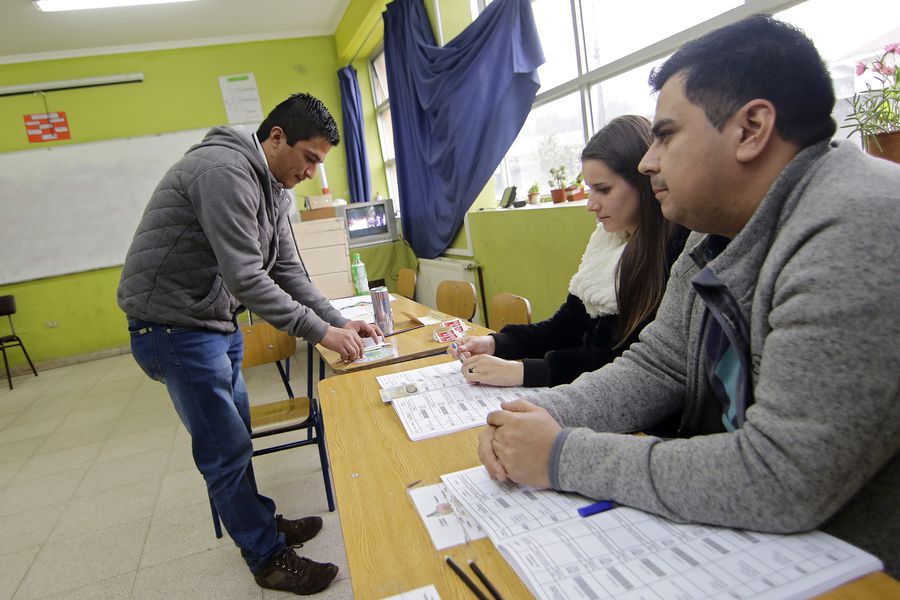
(777, 338)
(215, 239)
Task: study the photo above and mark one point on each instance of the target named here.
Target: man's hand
(490, 370)
(487, 456)
(522, 439)
(364, 329)
(345, 342)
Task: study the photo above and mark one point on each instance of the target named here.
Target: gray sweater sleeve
(290, 274)
(226, 200)
(825, 416)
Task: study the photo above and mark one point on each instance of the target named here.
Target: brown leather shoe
(297, 574)
(297, 531)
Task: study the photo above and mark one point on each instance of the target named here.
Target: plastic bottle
(358, 275)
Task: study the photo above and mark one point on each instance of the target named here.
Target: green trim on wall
(360, 30)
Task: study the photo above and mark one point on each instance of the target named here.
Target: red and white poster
(47, 127)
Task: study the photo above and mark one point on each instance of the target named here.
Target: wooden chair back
(406, 283)
(509, 309)
(456, 298)
(264, 344)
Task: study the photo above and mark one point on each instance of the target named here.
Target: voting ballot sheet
(627, 554)
(437, 400)
(435, 377)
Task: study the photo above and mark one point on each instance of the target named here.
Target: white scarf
(594, 283)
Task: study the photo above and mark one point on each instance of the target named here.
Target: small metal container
(381, 304)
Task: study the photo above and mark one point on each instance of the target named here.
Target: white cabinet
(325, 251)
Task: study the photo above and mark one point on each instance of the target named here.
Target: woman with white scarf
(617, 287)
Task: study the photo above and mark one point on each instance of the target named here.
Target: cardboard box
(328, 212)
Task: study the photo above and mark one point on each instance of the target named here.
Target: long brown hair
(641, 272)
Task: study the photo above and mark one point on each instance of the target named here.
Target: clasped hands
(517, 442)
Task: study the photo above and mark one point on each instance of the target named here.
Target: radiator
(433, 271)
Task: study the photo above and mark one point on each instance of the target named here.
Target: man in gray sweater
(214, 240)
(777, 338)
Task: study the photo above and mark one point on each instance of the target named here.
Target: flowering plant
(878, 110)
(557, 177)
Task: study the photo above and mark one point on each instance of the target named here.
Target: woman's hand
(490, 370)
(470, 345)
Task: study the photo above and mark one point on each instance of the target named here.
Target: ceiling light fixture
(60, 5)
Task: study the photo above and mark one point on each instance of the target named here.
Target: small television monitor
(369, 222)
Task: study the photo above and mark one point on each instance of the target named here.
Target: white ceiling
(27, 34)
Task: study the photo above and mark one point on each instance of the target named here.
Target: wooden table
(410, 345)
(373, 463)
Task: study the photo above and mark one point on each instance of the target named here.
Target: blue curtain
(456, 110)
(354, 136)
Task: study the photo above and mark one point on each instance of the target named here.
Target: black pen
(487, 583)
(465, 579)
(387, 335)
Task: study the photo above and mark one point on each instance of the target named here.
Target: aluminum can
(381, 304)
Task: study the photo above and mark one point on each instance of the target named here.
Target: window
(378, 76)
(600, 54)
(842, 42)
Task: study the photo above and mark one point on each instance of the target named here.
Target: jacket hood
(240, 140)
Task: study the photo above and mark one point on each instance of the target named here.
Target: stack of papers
(437, 400)
(626, 553)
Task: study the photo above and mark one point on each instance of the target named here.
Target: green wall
(84, 305)
(180, 91)
(532, 252)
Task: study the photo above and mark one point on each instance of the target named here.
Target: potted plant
(575, 190)
(876, 111)
(534, 194)
(557, 183)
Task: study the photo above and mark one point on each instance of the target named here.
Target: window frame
(380, 109)
(586, 79)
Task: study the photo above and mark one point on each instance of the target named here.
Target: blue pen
(458, 353)
(596, 507)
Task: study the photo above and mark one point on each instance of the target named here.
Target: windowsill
(541, 206)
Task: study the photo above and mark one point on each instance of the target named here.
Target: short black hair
(302, 117)
(757, 57)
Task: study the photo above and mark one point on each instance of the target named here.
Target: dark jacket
(571, 342)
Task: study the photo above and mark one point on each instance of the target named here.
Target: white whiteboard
(74, 208)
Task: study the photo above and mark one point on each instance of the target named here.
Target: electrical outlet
(52, 324)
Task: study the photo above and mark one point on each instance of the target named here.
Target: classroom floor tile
(100, 499)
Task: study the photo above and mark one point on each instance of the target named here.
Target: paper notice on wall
(241, 98)
(47, 127)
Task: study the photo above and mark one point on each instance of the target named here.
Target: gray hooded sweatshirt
(214, 237)
(816, 275)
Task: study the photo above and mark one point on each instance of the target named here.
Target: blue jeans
(202, 371)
